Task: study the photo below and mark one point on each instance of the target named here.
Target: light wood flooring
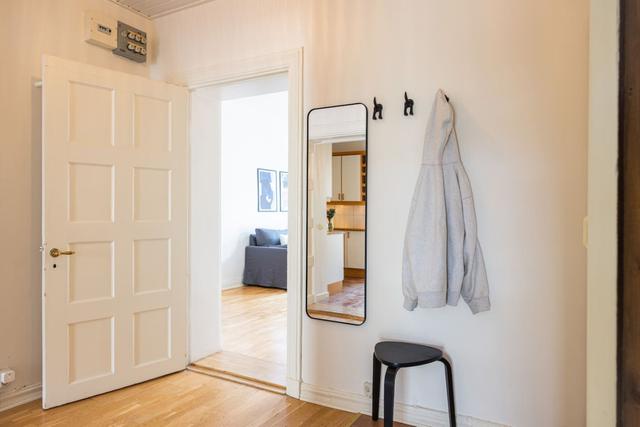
(254, 334)
(181, 399)
(185, 399)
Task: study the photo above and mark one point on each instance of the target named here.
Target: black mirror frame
(366, 210)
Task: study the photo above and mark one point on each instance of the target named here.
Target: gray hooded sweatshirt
(442, 258)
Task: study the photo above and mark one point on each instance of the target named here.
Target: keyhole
(55, 265)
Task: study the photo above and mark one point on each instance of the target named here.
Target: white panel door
(115, 198)
(351, 178)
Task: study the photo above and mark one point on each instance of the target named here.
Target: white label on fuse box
(100, 30)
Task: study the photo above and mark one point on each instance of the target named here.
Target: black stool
(398, 355)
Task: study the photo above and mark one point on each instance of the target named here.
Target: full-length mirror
(337, 213)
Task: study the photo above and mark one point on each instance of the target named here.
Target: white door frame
(289, 62)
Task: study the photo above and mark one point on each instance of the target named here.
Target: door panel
(114, 193)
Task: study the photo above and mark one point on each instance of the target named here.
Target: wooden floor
(182, 399)
(254, 336)
(254, 322)
(227, 364)
(185, 399)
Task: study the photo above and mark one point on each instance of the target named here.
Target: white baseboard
(15, 398)
(231, 285)
(319, 297)
(293, 388)
(409, 414)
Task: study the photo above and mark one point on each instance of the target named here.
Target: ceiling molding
(152, 9)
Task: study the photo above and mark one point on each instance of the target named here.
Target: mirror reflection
(336, 213)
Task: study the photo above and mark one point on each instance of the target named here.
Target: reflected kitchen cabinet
(347, 177)
(354, 251)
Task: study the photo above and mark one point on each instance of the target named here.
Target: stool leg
(375, 395)
(389, 385)
(452, 406)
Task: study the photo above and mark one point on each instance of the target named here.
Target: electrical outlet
(7, 376)
(367, 388)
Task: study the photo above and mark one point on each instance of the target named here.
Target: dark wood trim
(619, 226)
(628, 357)
(355, 273)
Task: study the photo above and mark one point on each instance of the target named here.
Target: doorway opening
(240, 144)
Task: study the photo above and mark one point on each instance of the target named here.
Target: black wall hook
(377, 109)
(408, 105)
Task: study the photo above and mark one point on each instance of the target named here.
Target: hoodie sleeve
(475, 286)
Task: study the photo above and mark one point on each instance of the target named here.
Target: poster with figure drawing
(267, 181)
(284, 191)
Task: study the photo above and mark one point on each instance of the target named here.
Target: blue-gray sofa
(265, 259)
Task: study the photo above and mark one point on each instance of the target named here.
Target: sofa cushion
(268, 237)
(284, 239)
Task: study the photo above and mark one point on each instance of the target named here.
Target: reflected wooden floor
(182, 399)
(345, 306)
(254, 334)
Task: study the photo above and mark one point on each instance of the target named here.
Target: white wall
(204, 238)
(29, 29)
(254, 135)
(603, 214)
(517, 76)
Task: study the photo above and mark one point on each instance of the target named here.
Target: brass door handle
(55, 252)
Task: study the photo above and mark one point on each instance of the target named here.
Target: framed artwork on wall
(284, 191)
(267, 181)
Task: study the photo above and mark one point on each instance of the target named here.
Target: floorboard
(245, 367)
(182, 399)
(254, 322)
(254, 334)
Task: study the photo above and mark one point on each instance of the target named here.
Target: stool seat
(396, 355)
(405, 355)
